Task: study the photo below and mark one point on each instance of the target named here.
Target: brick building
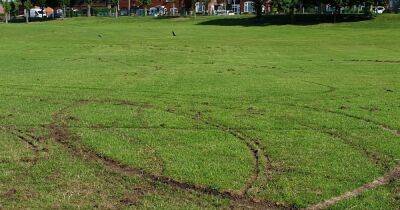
(181, 6)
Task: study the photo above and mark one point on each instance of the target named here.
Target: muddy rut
(32, 141)
(61, 133)
(393, 174)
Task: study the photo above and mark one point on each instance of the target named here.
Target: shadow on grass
(170, 17)
(32, 19)
(299, 19)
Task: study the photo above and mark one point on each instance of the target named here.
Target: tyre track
(330, 88)
(372, 156)
(383, 180)
(61, 134)
(393, 174)
(384, 127)
(253, 148)
(29, 139)
(248, 141)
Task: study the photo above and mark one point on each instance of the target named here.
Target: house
(180, 6)
(166, 5)
(1, 10)
(230, 6)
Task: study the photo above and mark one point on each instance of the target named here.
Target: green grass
(191, 107)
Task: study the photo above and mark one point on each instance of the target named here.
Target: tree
(116, 6)
(287, 5)
(16, 5)
(7, 9)
(64, 4)
(109, 5)
(89, 7)
(258, 4)
(145, 4)
(193, 6)
(187, 5)
(27, 8)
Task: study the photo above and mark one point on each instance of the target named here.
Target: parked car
(59, 13)
(37, 13)
(157, 11)
(379, 9)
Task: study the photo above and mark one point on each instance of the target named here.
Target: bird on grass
(173, 33)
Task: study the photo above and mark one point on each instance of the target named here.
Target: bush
(103, 11)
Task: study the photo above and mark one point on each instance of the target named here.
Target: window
(248, 7)
(200, 7)
(173, 10)
(236, 8)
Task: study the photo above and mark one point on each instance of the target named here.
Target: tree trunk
(64, 11)
(291, 11)
(89, 13)
(173, 8)
(26, 15)
(335, 14)
(129, 7)
(145, 10)
(6, 16)
(116, 11)
(320, 9)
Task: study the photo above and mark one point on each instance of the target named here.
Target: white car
(37, 13)
(379, 9)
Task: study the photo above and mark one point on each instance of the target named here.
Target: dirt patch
(391, 130)
(3, 161)
(9, 193)
(255, 111)
(6, 116)
(32, 141)
(371, 109)
(343, 107)
(387, 178)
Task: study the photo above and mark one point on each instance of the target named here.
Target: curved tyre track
(393, 174)
(255, 150)
(387, 178)
(60, 132)
(373, 157)
(374, 122)
(254, 146)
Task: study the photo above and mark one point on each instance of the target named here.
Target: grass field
(98, 112)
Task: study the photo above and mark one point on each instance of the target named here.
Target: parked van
(37, 13)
